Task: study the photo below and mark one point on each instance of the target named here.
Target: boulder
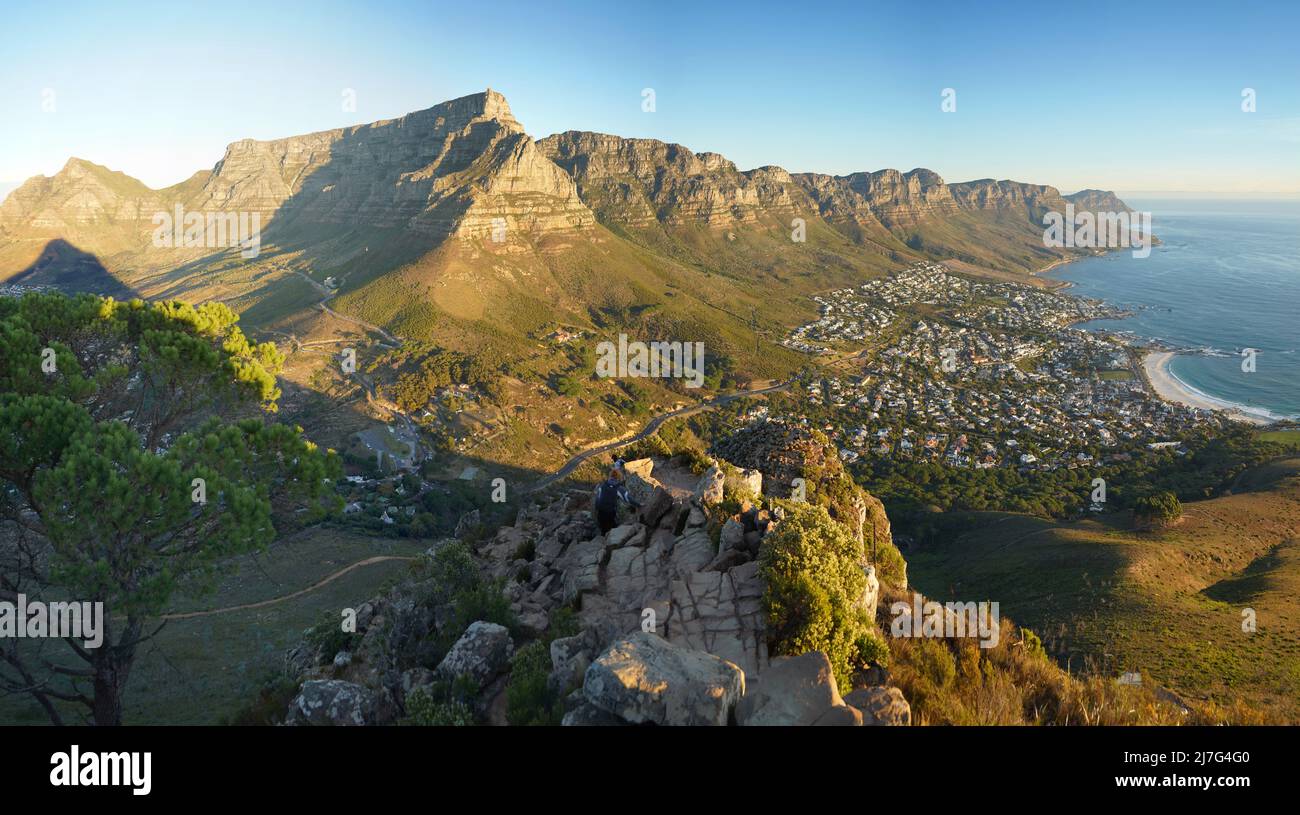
(695, 517)
(332, 702)
(732, 537)
(299, 659)
(468, 523)
(709, 489)
(792, 691)
(481, 653)
(840, 715)
(588, 715)
(751, 481)
(692, 552)
(625, 535)
(881, 706)
(415, 678)
(570, 657)
(656, 507)
(644, 678)
(726, 560)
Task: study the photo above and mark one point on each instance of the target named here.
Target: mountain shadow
(63, 266)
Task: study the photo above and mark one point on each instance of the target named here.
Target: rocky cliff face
(987, 194)
(467, 170)
(664, 629)
(452, 168)
(1097, 201)
(636, 182)
(464, 168)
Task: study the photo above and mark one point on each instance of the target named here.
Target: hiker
(608, 494)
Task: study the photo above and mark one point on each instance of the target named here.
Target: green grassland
(202, 670)
(1168, 604)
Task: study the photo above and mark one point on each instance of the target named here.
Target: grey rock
(481, 653)
(840, 715)
(733, 535)
(332, 702)
(881, 706)
(709, 489)
(644, 678)
(792, 691)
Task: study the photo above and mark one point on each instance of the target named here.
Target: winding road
(648, 431)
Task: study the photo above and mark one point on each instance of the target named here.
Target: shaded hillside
(1169, 604)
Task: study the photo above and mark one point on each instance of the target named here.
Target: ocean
(1225, 278)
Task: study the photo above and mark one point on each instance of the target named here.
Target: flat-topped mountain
(453, 215)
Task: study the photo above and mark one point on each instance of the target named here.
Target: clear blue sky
(1127, 96)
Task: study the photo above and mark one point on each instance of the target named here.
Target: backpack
(607, 496)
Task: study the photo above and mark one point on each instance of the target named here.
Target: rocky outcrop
(640, 182)
(1097, 201)
(462, 168)
(888, 198)
(669, 578)
(643, 678)
(334, 703)
(881, 706)
(479, 656)
(792, 691)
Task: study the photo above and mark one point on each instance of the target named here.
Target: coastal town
(978, 374)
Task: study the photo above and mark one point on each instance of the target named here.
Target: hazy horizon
(166, 91)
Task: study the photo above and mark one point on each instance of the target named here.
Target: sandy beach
(1156, 367)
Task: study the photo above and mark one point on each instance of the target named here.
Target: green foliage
(327, 637)
(268, 708)
(528, 701)
(450, 577)
(122, 447)
(909, 486)
(1033, 644)
(426, 708)
(426, 369)
(813, 575)
(1158, 509)
(872, 649)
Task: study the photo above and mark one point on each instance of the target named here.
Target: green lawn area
(1122, 375)
(1289, 438)
(198, 670)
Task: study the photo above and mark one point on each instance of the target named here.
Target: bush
(812, 570)
(528, 700)
(273, 699)
(426, 709)
(327, 637)
(1157, 509)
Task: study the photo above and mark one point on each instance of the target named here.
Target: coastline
(1155, 365)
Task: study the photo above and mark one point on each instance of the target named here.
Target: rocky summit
(669, 625)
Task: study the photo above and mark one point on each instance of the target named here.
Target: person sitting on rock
(608, 494)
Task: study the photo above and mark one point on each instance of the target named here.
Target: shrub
(1157, 510)
(425, 709)
(812, 570)
(327, 637)
(528, 700)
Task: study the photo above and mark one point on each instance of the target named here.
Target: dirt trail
(262, 603)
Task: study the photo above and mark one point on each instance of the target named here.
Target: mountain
(1097, 201)
(452, 224)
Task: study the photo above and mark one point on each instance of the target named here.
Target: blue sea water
(1226, 277)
